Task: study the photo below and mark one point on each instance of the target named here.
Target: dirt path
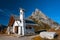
(3, 37)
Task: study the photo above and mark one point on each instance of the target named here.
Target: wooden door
(16, 29)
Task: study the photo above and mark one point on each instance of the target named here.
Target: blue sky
(51, 8)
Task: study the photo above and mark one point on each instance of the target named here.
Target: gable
(11, 21)
(16, 23)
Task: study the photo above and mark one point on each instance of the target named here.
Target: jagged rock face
(38, 15)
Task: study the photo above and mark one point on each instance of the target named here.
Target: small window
(30, 27)
(26, 27)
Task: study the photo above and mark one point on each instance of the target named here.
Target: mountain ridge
(40, 16)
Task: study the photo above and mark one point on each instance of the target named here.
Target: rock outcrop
(42, 19)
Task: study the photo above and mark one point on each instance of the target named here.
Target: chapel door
(16, 29)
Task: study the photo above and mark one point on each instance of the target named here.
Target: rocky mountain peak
(40, 16)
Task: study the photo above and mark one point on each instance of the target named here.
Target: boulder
(48, 35)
